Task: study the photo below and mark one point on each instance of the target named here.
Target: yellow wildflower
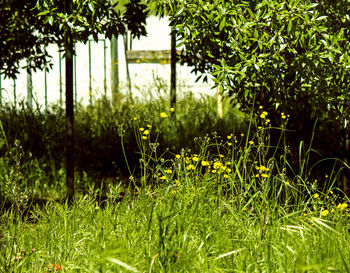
(251, 142)
(177, 156)
(146, 132)
(162, 177)
(264, 175)
(342, 206)
(191, 167)
(205, 163)
(195, 158)
(217, 165)
(325, 212)
(172, 109)
(163, 115)
(142, 129)
(144, 137)
(316, 195)
(168, 171)
(260, 107)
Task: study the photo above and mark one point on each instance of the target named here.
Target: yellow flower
(217, 165)
(260, 107)
(229, 137)
(149, 126)
(316, 195)
(172, 109)
(262, 116)
(264, 175)
(163, 115)
(146, 132)
(168, 171)
(331, 192)
(162, 178)
(267, 121)
(257, 175)
(259, 127)
(251, 142)
(135, 118)
(265, 113)
(226, 176)
(195, 158)
(205, 163)
(142, 129)
(229, 143)
(287, 182)
(144, 137)
(242, 135)
(342, 206)
(325, 212)
(191, 167)
(177, 156)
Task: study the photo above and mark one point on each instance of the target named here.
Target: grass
(229, 204)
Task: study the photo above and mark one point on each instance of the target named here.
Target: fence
(92, 70)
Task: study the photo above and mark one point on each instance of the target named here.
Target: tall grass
(227, 205)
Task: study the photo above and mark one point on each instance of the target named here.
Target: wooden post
(29, 88)
(69, 108)
(219, 103)
(173, 69)
(125, 37)
(114, 69)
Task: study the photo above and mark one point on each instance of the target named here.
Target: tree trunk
(69, 109)
(346, 171)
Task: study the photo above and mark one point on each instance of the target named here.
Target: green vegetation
(163, 189)
(33, 140)
(288, 56)
(228, 203)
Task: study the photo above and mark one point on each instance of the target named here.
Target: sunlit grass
(230, 206)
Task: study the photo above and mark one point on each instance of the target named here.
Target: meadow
(162, 189)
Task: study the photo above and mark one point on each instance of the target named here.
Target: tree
(288, 56)
(29, 26)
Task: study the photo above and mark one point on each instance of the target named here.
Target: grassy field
(228, 204)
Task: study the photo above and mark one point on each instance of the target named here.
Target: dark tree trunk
(69, 109)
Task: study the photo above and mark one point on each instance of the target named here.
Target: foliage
(292, 55)
(29, 26)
